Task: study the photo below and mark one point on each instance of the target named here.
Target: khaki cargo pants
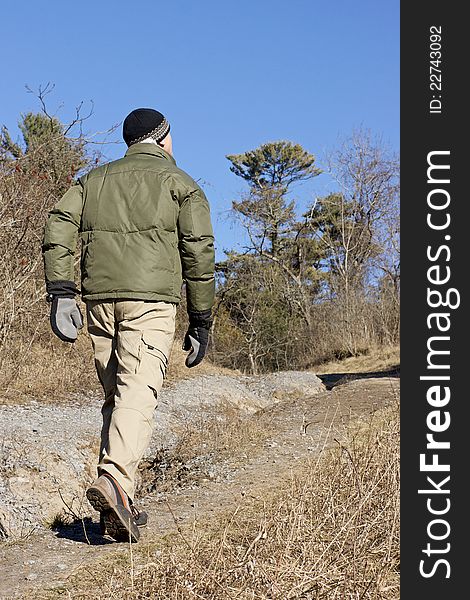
(131, 342)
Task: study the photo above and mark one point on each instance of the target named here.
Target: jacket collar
(150, 149)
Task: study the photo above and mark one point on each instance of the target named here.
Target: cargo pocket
(154, 361)
(129, 351)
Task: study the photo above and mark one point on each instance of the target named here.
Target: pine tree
(45, 152)
(274, 165)
(268, 290)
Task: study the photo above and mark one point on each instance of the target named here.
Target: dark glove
(197, 337)
(66, 318)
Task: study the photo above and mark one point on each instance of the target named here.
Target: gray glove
(66, 318)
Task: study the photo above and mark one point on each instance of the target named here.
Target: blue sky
(228, 75)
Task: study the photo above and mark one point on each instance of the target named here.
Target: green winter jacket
(144, 225)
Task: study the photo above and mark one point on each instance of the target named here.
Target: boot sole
(118, 521)
(103, 525)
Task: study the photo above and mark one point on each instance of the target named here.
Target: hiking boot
(109, 499)
(140, 518)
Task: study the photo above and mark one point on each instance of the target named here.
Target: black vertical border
(421, 133)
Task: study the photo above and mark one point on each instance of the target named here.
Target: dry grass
(201, 449)
(48, 370)
(376, 359)
(332, 533)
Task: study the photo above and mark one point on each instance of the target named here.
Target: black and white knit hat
(143, 123)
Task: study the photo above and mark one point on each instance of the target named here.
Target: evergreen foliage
(274, 165)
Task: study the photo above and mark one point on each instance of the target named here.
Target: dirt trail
(299, 428)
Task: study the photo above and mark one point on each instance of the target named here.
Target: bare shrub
(200, 448)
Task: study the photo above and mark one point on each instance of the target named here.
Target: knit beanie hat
(143, 123)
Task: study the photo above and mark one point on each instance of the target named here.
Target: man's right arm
(196, 245)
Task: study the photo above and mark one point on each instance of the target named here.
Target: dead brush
(201, 446)
(331, 533)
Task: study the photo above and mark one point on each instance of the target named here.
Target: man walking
(145, 227)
